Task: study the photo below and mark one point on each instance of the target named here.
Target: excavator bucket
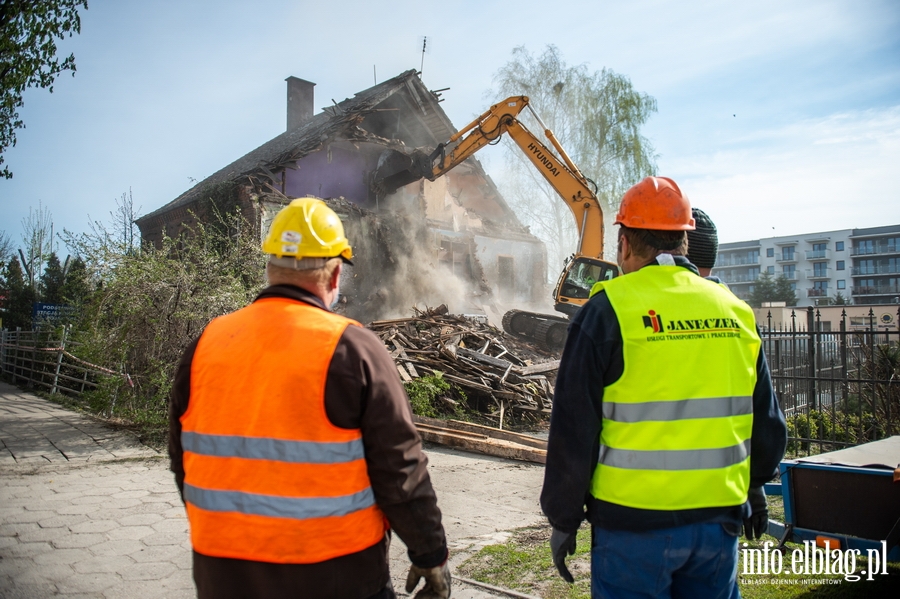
(396, 169)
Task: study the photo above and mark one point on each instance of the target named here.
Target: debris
(482, 439)
(494, 369)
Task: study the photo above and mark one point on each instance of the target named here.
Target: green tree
(783, 291)
(839, 299)
(52, 281)
(597, 118)
(19, 296)
(28, 33)
(769, 289)
(76, 289)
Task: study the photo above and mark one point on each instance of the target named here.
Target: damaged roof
(405, 92)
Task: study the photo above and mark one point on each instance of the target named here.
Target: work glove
(758, 522)
(561, 545)
(437, 581)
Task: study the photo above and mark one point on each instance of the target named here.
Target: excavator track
(547, 330)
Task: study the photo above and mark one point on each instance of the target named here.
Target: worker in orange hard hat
(292, 441)
(645, 445)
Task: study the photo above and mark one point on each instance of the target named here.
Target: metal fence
(42, 359)
(837, 388)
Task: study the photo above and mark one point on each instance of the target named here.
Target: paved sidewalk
(88, 511)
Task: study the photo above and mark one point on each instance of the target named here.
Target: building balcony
(782, 259)
(818, 273)
(877, 290)
(793, 276)
(878, 248)
(738, 279)
(880, 269)
(723, 261)
(818, 254)
(816, 292)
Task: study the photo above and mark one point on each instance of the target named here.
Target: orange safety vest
(267, 476)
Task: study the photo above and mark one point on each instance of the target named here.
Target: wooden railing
(41, 358)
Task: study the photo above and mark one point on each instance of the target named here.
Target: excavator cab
(577, 279)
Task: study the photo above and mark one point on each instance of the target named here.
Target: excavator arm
(572, 186)
(587, 265)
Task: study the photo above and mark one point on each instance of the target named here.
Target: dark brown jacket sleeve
(178, 403)
(363, 390)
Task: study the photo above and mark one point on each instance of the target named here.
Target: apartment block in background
(862, 266)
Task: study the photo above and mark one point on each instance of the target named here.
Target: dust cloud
(398, 266)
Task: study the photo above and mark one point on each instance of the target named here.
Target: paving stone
(109, 564)
(62, 556)
(15, 529)
(78, 540)
(90, 500)
(39, 534)
(130, 532)
(77, 509)
(162, 553)
(7, 512)
(122, 503)
(147, 571)
(140, 519)
(14, 565)
(175, 512)
(93, 526)
(24, 590)
(133, 494)
(28, 549)
(92, 585)
(162, 498)
(145, 589)
(43, 574)
(164, 538)
(63, 521)
(28, 516)
(117, 547)
(181, 580)
(179, 525)
(7, 542)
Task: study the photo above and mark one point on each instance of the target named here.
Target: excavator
(582, 270)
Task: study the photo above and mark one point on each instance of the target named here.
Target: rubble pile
(472, 354)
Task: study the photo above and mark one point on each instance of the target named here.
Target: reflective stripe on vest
(267, 476)
(676, 425)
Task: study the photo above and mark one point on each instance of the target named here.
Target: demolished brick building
(453, 240)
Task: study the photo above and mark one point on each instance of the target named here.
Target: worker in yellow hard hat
(292, 441)
(660, 389)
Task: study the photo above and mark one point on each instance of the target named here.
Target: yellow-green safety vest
(676, 425)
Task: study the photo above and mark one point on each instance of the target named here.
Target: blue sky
(776, 117)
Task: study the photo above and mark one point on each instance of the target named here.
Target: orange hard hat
(655, 203)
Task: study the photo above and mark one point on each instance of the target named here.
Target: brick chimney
(299, 101)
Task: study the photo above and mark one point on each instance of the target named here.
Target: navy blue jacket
(592, 360)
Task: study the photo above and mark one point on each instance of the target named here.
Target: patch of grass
(524, 564)
(433, 397)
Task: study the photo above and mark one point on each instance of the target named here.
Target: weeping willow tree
(597, 117)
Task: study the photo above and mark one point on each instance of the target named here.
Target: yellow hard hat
(307, 228)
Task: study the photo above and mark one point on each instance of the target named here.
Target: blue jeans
(697, 561)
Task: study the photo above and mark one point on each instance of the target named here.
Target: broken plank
(538, 368)
(481, 443)
(466, 383)
(484, 359)
(488, 431)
